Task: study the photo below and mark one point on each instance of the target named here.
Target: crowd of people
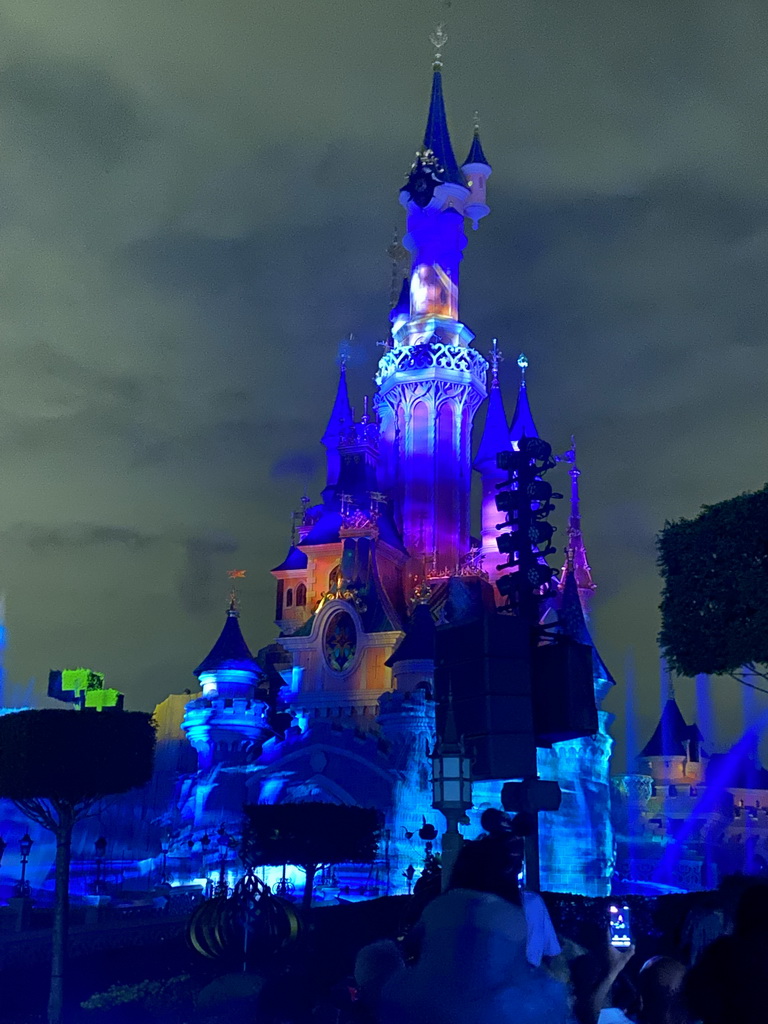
(486, 951)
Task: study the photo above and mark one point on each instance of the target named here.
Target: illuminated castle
(341, 708)
(685, 819)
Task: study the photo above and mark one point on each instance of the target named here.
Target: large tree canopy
(715, 570)
(61, 754)
(308, 835)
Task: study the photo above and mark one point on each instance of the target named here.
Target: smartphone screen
(621, 936)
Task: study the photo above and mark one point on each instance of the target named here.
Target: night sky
(195, 204)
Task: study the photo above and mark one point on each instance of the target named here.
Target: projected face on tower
(433, 293)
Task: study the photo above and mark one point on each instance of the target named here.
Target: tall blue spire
(341, 413)
(495, 432)
(437, 137)
(522, 422)
(340, 421)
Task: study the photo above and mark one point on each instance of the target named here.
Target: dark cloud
(66, 107)
(82, 536)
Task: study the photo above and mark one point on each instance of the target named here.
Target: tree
(55, 765)
(715, 571)
(308, 835)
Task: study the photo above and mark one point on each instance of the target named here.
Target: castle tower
(431, 381)
(339, 422)
(673, 754)
(228, 724)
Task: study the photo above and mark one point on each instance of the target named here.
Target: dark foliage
(54, 765)
(715, 573)
(67, 755)
(309, 833)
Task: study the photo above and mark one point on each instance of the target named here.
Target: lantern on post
(25, 848)
(451, 789)
(100, 849)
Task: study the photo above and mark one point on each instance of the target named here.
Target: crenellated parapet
(452, 363)
(229, 730)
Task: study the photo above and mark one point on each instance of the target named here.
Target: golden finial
(476, 122)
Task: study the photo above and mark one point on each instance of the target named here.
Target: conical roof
(522, 422)
(476, 154)
(495, 437)
(571, 623)
(341, 414)
(671, 735)
(230, 651)
(419, 639)
(437, 138)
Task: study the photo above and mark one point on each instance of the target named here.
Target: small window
(673, 790)
(694, 791)
(289, 598)
(301, 596)
(279, 600)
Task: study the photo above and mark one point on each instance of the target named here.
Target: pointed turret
(522, 422)
(419, 640)
(476, 170)
(571, 623)
(435, 162)
(673, 737)
(495, 437)
(476, 154)
(576, 559)
(229, 664)
(437, 138)
(435, 173)
(413, 661)
(228, 723)
(339, 422)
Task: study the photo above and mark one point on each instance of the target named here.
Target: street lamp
(100, 848)
(451, 790)
(408, 874)
(164, 851)
(25, 848)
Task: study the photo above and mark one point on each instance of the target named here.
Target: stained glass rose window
(340, 641)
